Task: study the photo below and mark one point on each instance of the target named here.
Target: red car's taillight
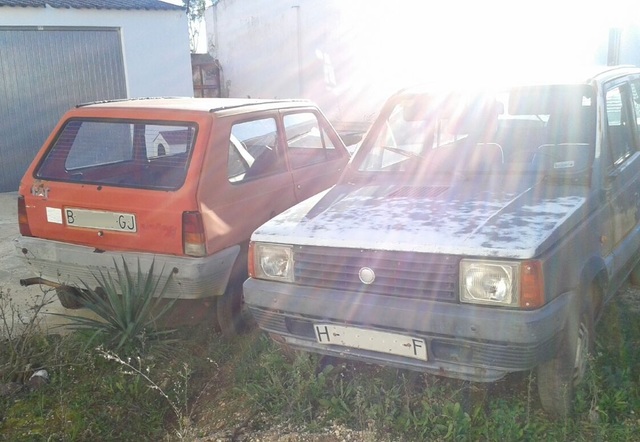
(193, 238)
(23, 220)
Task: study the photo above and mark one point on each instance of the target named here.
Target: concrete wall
(155, 43)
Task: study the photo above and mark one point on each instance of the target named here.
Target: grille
(270, 320)
(510, 357)
(397, 274)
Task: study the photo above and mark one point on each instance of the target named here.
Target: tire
(234, 317)
(70, 297)
(559, 377)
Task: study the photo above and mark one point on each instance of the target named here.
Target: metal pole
(299, 43)
(613, 54)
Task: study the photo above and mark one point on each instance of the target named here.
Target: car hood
(432, 219)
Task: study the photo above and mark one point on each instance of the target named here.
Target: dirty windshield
(471, 133)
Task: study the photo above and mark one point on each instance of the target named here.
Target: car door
(316, 155)
(246, 181)
(623, 173)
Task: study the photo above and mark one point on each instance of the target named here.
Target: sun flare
(414, 41)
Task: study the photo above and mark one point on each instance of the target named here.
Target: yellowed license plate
(97, 219)
(373, 340)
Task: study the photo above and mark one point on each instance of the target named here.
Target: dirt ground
(12, 270)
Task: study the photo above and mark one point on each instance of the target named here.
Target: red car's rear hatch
(114, 184)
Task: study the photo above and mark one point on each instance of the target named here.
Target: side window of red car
(307, 141)
(253, 150)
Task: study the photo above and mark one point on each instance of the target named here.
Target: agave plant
(127, 306)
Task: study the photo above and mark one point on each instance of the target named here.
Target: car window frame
(635, 106)
(280, 155)
(331, 153)
(138, 153)
(617, 158)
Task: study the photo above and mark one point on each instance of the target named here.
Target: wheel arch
(594, 280)
(239, 270)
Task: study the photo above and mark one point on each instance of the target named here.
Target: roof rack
(120, 100)
(259, 101)
(233, 103)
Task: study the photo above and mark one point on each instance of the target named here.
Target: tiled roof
(93, 4)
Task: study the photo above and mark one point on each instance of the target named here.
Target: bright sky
(483, 36)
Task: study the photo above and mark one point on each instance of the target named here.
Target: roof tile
(94, 4)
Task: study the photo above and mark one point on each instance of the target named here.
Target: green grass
(207, 385)
(87, 398)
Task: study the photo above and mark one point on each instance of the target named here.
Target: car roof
(195, 104)
(581, 74)
(611, 72)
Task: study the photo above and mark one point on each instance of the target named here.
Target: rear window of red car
(126, 153)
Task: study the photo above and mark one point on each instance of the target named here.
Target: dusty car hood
(432, 219)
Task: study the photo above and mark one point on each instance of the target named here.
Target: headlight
(491, 283)
(273, 262)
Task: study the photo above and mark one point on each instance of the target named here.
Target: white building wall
(294, 49)
(155, 43)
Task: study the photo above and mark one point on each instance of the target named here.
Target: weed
(85, 400)
(177, 398)
(128, 308)
(23, 346)
(287, 388)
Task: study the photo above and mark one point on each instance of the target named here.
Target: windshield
(452, 133)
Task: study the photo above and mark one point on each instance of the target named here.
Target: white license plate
(97, 219)
(383, 342)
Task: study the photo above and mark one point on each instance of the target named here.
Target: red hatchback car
(181, 182)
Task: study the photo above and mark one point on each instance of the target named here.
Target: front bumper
(464, 341)
(57, 263)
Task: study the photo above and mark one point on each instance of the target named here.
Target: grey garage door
(44, 72)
